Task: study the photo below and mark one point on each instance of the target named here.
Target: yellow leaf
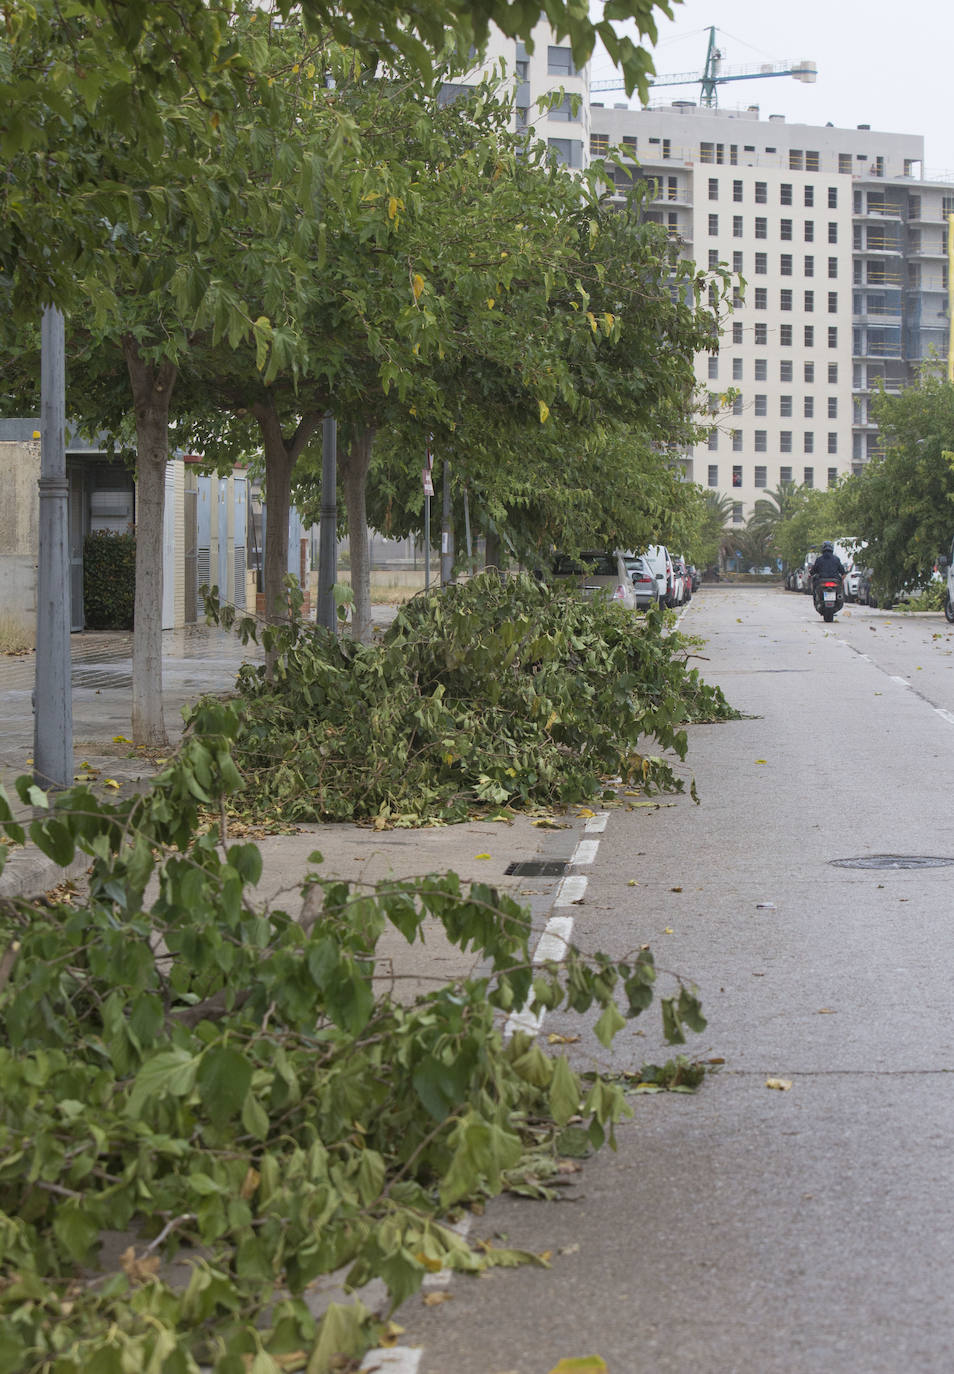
(481, 856)
(544, 412)
(781, 1085)
(490, 302)
(435, 1299)
(432, 1265)
(592, 319)
(251, 1181)
(668, 930)
(632, 883)
(389, 1336)
(554, 1039)
(111, 782)
(552, 718)
(121, 739)
(392, 207)
(582, 1364)
(296, 69)
(417, 285)
(761, 760)
(826, 1011)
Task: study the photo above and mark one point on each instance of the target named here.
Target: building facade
(842, 250)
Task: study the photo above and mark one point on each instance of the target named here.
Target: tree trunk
(353, 468)
(280, 459)
(152, 386)
(492, 550)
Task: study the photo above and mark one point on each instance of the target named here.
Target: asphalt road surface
(748, 1228)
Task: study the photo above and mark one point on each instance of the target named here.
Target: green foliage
(109, 580)
(237, 1084)
(493, 693)
(902, 503)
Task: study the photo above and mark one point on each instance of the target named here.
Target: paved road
(746, 1229)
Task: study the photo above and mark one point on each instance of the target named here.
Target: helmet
(828, 547)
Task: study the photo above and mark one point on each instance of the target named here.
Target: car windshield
(636, 566)
(590, 564)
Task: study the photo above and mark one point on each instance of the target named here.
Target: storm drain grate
(894, 861)
(538, 868)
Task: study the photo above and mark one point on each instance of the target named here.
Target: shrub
(109, 580)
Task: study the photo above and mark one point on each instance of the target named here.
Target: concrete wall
(19, 528)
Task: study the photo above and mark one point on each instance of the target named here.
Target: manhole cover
(538, 868)
(894, 861)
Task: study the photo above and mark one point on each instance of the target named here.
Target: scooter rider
(827, 564)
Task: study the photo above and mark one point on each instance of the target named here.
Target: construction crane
(715, 75)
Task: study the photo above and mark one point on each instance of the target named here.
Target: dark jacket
(828, 565)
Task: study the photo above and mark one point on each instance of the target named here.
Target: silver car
(597, 573)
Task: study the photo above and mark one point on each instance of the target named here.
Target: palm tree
(775, 508)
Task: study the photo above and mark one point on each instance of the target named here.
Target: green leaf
(170, 1072)
(564, 1096)
(224, 1079)
(609, 1024)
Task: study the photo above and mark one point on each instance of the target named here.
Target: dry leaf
(554, 1039)
(389, 1336)
(139, 1270)
(761, 760)
(481, 856)
(826, 1011)
(250, 1183)
(569, 1249)
(781, 1085)
(435, 1299)
(675, 889)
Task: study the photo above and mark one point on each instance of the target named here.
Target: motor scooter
(829, 597)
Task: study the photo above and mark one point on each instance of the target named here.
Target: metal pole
(447, 534)
(53, 702)
(427, 543)
(467, 535)
(326, 611)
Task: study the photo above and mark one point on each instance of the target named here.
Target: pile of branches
(491, 694)
(190, 1069)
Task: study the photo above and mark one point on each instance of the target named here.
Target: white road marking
(554, 941)
(523, 1020)
(596, 824)
(945, 715)
(585, 852)
(571, 889)
(443, 1277)
(400, 1359)
(902, 680)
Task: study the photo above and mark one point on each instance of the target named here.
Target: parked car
(695, 577)
(681, 571)
(660, 561)
(643, 579)
(598, 573)
(806, 571)
(863, 593)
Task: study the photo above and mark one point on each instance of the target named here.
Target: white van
(659, 559)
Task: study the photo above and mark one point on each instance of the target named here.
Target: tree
(902, 503)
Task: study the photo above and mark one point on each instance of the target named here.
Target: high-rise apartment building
(843, 252)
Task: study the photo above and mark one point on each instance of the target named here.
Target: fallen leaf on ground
(569, 1249)
(826, 1011)
(481, 856)
(675, 889)
(781, 1085)
(435, 1299)
(668, 930)
(554, 1039)
(389, 1336)
(583, 1364)
(761, 760)
(139, 1270)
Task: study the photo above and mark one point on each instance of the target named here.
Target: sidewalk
(206, 659)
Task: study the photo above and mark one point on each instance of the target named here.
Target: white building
(843, 252)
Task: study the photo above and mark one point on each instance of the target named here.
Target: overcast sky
(889, 65)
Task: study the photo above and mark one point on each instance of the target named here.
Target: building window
(833, 374)
(761, 227)
(737, 260)
(809, 372)
(809, 231)
(785, 228)
(809, 302)
(629, 141)
(737, 369)
(811, 161)
(761, 475)
(713, 367)
(833, 407)
(707, 152)
(785, 441)
(761, 264)
(809, 336)
(736, 331)
(713, 258)
(736, 297)
(737, 190)
(833, 477)
(737, 441)
(761, 298)
(761, 404)
(713, 440)
(832, 231)
(784, 405)
(785, 370)
(737, 510)
(568, 110)
(809, 196)
(569, 151)
(832, 336)
(761, 441)
(785, 335)
(785, 264)
(808, 477)
(737, 405)
(833, 267)
(809, 266)
(833, 441)
(785, 299)
(809, 407)
(737, 475)
(808, 445)
(736, 226)
(785, 193)
(785, 474)
(761, 193)
(761, 334)
(713, 474)
(844, 166)
(833, 197)
(833, 302)
(761, 368)
(560, 62)
(713, 224)
(713, 188)
(599, 144)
